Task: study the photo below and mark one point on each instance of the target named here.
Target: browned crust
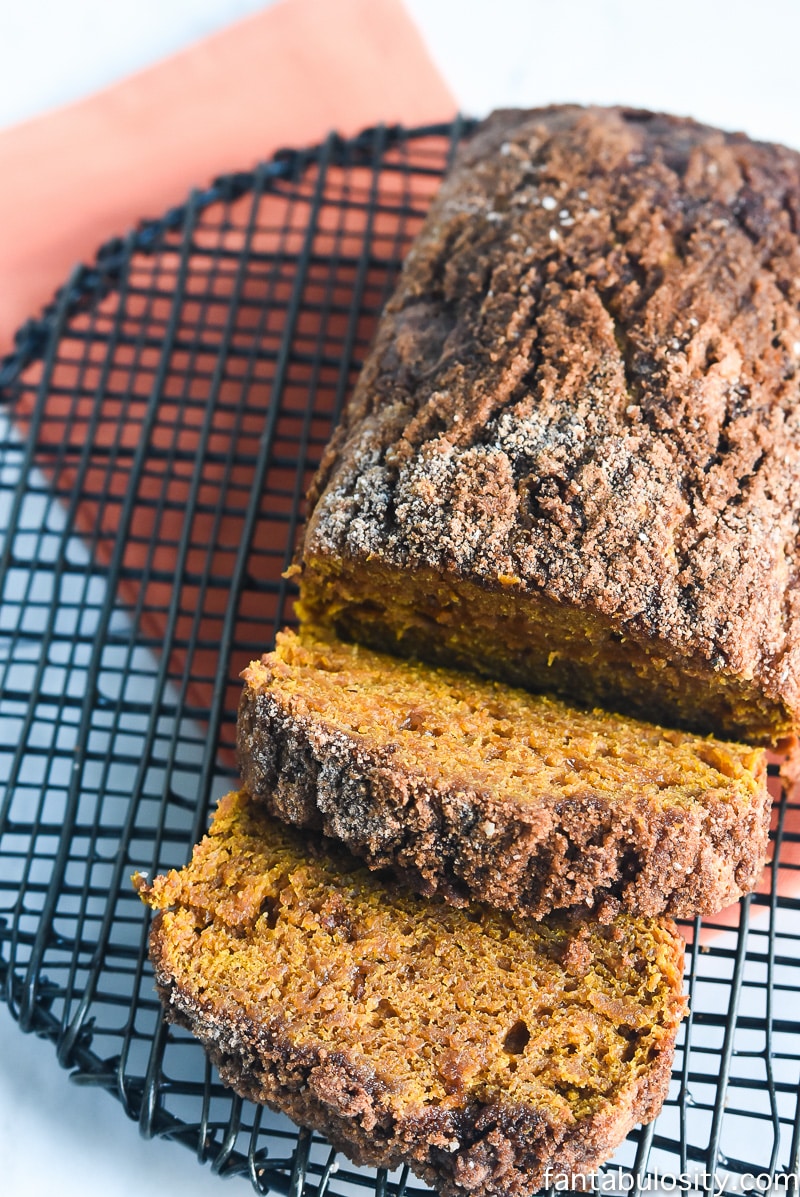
(589, 851)
(587, 383)
(502, 1151)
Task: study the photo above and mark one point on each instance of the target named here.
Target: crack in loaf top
(587, 380)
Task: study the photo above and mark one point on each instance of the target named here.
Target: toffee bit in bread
(469, 787)
(587, 380)
(477, 1049)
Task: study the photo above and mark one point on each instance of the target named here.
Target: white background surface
(730, 62)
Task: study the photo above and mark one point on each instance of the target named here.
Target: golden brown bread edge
(502, 1153)
(276, 957)
(572, 458)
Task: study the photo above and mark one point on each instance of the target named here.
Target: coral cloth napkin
(285, 76)
(155, 475)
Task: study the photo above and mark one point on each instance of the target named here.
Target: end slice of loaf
(472, 788)
(477, 1049)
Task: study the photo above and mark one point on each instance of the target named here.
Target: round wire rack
(160, 425)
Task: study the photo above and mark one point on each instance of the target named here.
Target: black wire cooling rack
(161, 424)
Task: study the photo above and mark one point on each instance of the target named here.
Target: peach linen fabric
(85, 173)
(285, 76)
(89, 172)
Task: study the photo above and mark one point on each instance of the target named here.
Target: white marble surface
(57, 1138)
(726, 61)
(729, 62)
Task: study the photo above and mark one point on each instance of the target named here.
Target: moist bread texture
(571, 459)
(470, 788)
(477, 1049)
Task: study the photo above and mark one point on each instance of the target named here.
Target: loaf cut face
(476, 1049)
(470, 788)
(571, 459)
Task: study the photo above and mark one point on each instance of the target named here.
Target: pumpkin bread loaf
(572, 458)
(477, 1049)
(471, 788)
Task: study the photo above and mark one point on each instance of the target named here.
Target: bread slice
(479, 1050)
(572, 459)
(472, 788)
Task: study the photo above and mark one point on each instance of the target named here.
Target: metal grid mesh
(168, 413)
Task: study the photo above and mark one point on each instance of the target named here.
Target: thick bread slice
(572, 459)
(470, 787)
(479, 1050)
